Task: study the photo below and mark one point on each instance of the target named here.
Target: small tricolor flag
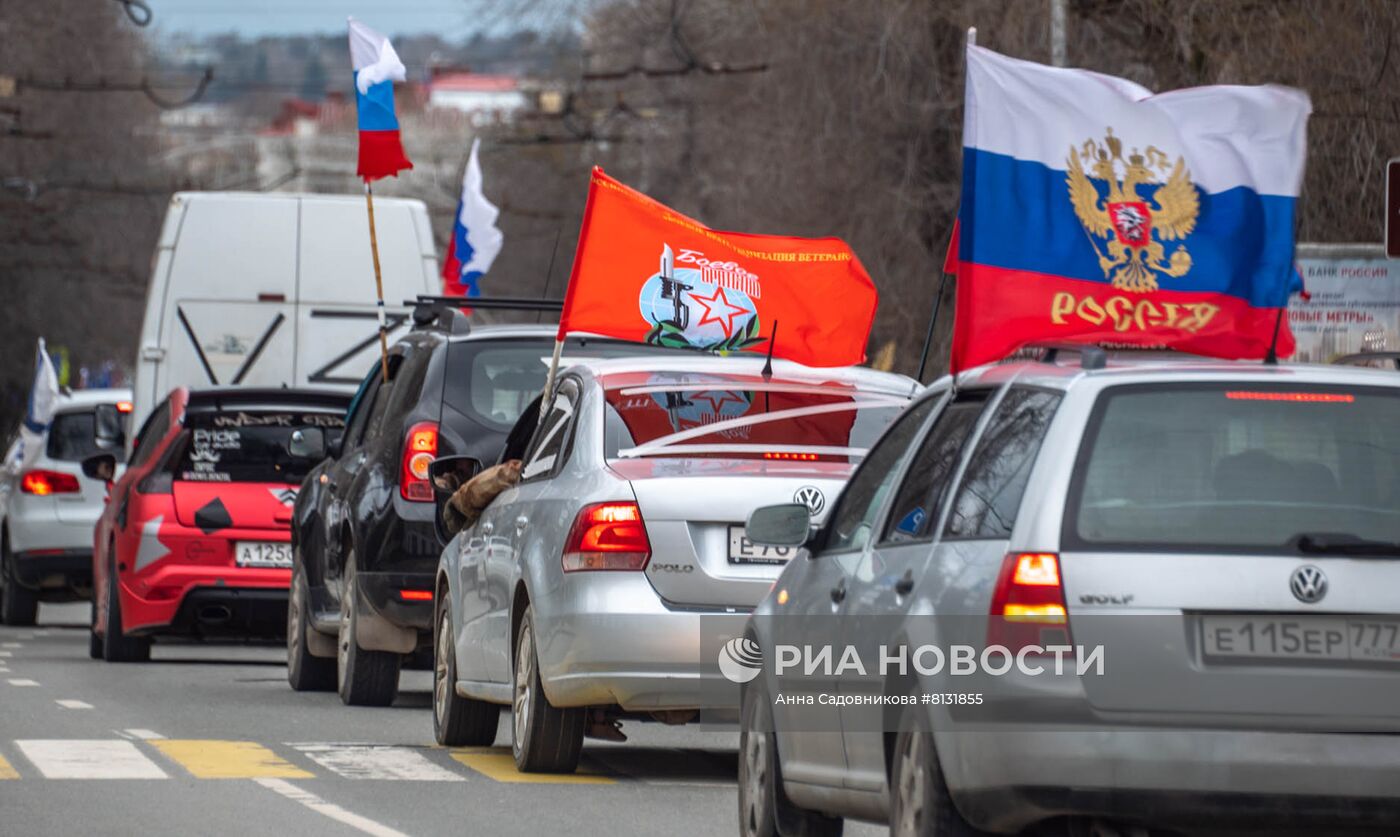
(377, 67)
(476, 240)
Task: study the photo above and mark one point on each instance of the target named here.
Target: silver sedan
(584, 594)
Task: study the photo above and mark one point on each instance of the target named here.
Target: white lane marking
(329, 809)
(73, 704)
(377, 761)
(24, 681)
(7, 653)
(89, 759)
(141, 734)
(11, 644)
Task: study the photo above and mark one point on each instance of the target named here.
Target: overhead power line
(145, 85)
(137, 11)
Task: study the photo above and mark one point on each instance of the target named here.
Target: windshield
(1202, 467)
(743, 419)
(249, 446)
(72, 437)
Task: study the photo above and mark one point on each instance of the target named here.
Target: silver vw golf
(579, 595)
(1175, 587)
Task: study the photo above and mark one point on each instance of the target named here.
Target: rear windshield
(494, 381)
(745, 420)
(249, 446)
(72, 437)
(1208, 467)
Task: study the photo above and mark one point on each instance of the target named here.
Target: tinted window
(699, 415)
(151, 433)
(73, 437)
(1239, 467)
(248, 446)
(548, 443)
(851, 522)
(996, 474)
(916, 505)
(360, 405)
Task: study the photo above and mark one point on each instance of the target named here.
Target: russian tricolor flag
(1094, 211)
(377, 67)
(476, 241)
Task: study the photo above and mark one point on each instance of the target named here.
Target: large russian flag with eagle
(1094, 211)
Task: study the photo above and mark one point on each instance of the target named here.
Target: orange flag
(646, 273)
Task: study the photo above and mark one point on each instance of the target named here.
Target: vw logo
(811, 497)
(1308, 584)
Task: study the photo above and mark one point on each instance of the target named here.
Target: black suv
(364, 543)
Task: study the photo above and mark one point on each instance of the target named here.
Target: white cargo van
(276, 290)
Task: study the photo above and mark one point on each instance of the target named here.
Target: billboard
(1354, 304)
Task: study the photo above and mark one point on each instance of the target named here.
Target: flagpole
(379, 287)
(549, 378)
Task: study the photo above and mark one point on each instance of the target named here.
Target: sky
(302, 17)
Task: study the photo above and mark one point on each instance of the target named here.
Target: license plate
(262, 554)
(744, 551)
(1321, 638)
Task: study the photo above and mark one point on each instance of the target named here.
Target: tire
(764, 808)
(18, 606)
(117, 647)
(920, 804)
(305, 671)
(94, 639)
(364, 678)
(544, 739)
(457, 721)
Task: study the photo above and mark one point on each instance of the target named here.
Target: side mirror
(447, 474)
(789, 524)
(109, 427)
(308, 443)
(101, 466)
(336, 447)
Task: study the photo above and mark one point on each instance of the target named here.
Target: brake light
(124, 406)
(1028, 603)
(416, 595)
(607, 536)
(1295, 397)
(43, 483)
(786, 456)
(419, 451)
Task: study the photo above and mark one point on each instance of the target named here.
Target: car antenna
(1271, 357)
(768, 363)
(549, 274)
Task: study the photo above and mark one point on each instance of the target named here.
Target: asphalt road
(209, 739)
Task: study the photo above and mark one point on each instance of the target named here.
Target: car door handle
(521, 522)
(838, 593)
(905, 583)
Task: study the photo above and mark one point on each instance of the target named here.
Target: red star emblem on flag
(718, 309)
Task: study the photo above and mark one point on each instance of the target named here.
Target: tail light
(419, 451)
(607, 536)
(416, 595)
(43, 483)
(124, 406)
(1028, 604)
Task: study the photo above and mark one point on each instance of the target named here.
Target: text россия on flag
(1094, 211)
(646, 273)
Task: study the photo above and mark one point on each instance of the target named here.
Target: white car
(48, 507)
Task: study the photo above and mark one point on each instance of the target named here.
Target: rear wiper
(1340, 543)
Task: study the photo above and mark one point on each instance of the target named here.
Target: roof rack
(1090, 357)
(443, 313)
(1364, 359)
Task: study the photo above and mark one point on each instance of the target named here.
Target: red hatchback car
(195, 536)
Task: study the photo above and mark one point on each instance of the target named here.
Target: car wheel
(94, 639)
(920, 804)
(764, 809)
(117, 647)
(305, 671)
(544, 739)
(457, 721)
(18, 605)
(365, 678)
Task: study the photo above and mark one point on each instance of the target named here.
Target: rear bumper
(231, 611)
(1003, 780)
(607, 639)
(40, 528)
(381, 592)
(55, 570)
(157, 602)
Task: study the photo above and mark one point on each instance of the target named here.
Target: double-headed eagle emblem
(1134, 224)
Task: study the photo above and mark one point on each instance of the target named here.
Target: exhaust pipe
(214, 614)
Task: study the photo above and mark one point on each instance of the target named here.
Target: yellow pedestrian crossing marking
(497, 764)
(6, 771)
(229, 760)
